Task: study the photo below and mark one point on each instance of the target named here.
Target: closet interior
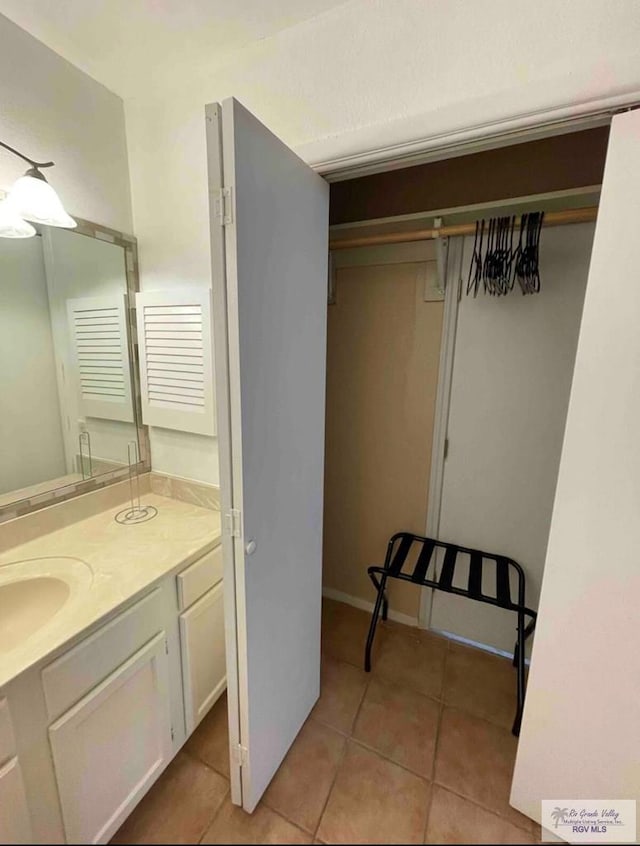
(455, 296)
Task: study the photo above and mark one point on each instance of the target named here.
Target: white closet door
(270, 298)
(580, 734)
(512, 371)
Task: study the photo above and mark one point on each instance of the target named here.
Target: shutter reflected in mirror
(176, 366)
(98, 330)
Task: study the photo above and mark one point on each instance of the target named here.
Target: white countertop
(124, 561)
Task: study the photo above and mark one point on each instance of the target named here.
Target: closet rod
(557, 218)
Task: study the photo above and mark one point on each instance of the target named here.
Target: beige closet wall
(382, 371)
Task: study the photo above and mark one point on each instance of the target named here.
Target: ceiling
(125, 44)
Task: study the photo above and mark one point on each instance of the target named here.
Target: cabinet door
(203, 658)
(15, 825)
(110, 747)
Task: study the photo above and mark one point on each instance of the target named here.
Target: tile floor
(417, 751)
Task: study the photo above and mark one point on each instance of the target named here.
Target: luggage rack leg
(381, 601)
(519, 653)
(518, 663)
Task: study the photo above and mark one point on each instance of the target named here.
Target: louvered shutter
(100, 351)
(176, 364)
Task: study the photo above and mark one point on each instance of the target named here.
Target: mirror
(68, 386)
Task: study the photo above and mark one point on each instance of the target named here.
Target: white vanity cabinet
(109, 703)
(110, 747)
(201, 600)
(15, 826)
(95, 724)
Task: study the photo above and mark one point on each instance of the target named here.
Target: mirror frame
(27, 505)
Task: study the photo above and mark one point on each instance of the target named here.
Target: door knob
(250, 548)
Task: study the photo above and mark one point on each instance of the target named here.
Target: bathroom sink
(33, 592)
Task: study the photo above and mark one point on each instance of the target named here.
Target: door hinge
(233, 522)
(223, 206)
(446, 448)
(240, 755)
(166, 646)
(173, 734)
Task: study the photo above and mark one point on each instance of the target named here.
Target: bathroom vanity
(112, 641)
(123, 659)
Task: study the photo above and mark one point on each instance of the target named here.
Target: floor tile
(456, 820)
(401, 724)
(300, 788)
(481, 683)
(342, 687)
(412, 631)
(412, 661)
(344, 633)
(210, 741)
(475, 758)
(233, 825)
(179, 806)
(374, 801)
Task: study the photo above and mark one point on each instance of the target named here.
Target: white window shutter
(100, 346)
(176, 361)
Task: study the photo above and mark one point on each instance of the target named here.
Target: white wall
(581, 733)
(31, 443)
(53, 111)
(514, 359)
(367, 73)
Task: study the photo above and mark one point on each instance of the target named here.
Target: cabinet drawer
(7, 740)
(198, 578)
(76, 672)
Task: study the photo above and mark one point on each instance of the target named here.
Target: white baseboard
(468, 642)
(363, 605)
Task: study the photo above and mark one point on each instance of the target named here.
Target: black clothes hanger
(500, 264)
(527, 263)
(475, 269)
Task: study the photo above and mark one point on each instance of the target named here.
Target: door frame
(514, 130)
(365, 158)
(517, 129)
(453, 293)
(215, 168)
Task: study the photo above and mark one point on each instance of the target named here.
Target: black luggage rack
(398, 551)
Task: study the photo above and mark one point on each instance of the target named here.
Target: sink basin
(27, 605)
(33, 592)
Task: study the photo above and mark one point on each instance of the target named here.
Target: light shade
(34, 199)
(11, 224)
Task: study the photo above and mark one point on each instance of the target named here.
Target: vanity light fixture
(11, 224)
(31, 198)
